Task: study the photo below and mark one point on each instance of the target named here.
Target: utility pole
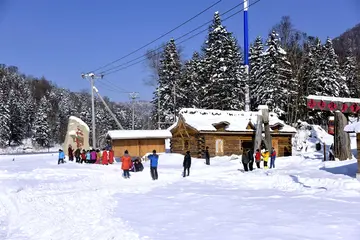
(158, 110)
(107, 108)
(91, 77)
(133, 96)
(246, 56)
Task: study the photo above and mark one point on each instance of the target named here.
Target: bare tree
(153, 57)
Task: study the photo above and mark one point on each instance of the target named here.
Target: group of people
(248, 159)
(91, 156)
(128, 166)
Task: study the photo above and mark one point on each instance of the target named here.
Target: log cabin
(225, 132)
(137, 142)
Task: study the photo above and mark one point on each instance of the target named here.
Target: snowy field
(303, 198)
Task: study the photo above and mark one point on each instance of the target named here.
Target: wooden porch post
(342, 149)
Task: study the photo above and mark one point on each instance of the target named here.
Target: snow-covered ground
(303, 198)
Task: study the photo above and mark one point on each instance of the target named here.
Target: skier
(187, 163)
(272, 158)
(154, 158)
(266, 156)
(61, 156)
(126, 164)
(207, 156)
(245, 160)
(251, 159)
(71, 153)
(105, 155)
(257, 158)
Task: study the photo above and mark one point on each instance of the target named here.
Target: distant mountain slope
(348, 40)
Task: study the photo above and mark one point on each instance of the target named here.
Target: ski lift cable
(182, 36)
(123, 66)
(158, 38)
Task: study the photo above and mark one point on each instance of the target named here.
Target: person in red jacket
(83, 156)
(126, 164)
(111, 156)
(257, 158)
(105, 157)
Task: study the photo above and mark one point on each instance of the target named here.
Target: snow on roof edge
(139, 134)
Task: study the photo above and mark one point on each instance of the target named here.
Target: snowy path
(41, 200)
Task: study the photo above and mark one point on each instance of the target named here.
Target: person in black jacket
(245, 160)
(207, 156)
(138, 166)
(78, 155)
(251, 159)
(187, 163)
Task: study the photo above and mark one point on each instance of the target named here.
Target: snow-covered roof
(334, 99)
(236, 121)
(139, 134)
(352, 127)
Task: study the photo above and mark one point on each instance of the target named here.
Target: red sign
(322, 104)
(344, 107)
(311, 103)
(332, 106)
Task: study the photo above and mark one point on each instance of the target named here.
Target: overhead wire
(123, 67)
(158, 38)
(182, 36)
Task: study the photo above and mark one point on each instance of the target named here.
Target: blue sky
(61, 39)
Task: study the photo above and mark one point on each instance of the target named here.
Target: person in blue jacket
(61, 156)
(154, 158)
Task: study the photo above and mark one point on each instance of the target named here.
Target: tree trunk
(265, 117)
(341, 138)
(258, 136)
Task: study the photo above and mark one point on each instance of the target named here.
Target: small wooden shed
(138, 142)
(225, 132)
(355, 128)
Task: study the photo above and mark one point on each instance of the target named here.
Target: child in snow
(126, 164)
(61, 156)
(258, 158)
(111, 156)
(83, 156)
(93, 156)
(272, 158)
(154, 159)
(266, 156)
(105, 157)
(88, 157)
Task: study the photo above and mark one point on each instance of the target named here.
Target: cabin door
(219, 147)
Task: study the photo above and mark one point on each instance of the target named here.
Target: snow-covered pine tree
(191, 82)
(5, 133)
(351, 72)
(256, 57)
(41, 128)
(276, 85)
(327, 79)
(224, 75)
(168, 92)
